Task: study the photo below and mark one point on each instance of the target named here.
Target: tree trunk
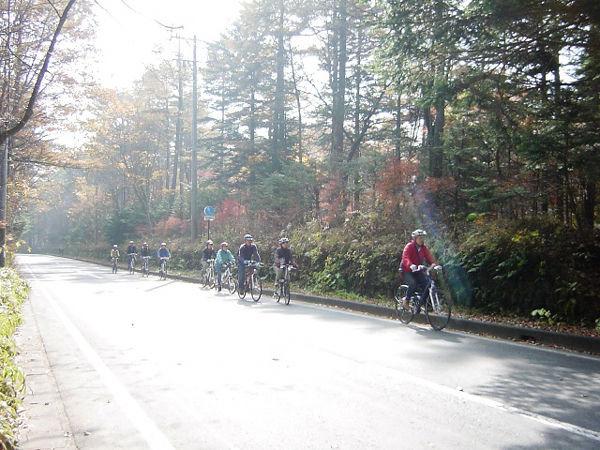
(278, 141)
(178, 128)
(298, 105)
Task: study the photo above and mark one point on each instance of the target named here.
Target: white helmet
(209, 242)
(418, 232)
(248, 237)
(163, 244)
(283, 240)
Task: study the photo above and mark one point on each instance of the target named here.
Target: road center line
(138, 417)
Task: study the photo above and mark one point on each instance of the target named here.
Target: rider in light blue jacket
(224, 256)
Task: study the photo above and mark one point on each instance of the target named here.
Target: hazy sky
(128, 31)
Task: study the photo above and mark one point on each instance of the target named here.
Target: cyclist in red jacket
(414, 255)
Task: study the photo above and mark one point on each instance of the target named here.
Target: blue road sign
(209, 211)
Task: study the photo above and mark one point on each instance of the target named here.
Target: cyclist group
(412, 268)
(132, 252)
(247, 253)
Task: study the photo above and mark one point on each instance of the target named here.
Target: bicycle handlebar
(253, 263)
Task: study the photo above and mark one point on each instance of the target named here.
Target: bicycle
(437, 308)
(115, 265)
(162, 271)
(145, 270)
(253, 281)
(208, 276)
(131, 262)
(284, 284)
(228, 280)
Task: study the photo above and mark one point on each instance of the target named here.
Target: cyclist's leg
(241, 275)
(278, 275)
(219, 272)
(411, 280)
(423, 285)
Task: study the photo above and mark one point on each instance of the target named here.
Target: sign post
(209, 216)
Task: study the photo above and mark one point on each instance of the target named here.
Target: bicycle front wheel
(277, 292)
(437, 310)
(231, 284)
(403, 315)
(256, 290)
(286, 292)
(241, 290)
(212, 279)
(205, 278)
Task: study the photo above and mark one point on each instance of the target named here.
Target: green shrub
(13, 291)
(534, 265)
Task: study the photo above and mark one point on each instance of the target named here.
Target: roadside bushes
(13, 291)
(531, 265)
(361, 256)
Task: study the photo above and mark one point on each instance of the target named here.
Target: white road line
(418, 380)
(89, 274)
(575, 429)
(148, 429)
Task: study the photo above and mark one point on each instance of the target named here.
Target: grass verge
(13, 291)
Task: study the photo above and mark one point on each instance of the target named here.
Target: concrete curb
(497, 330)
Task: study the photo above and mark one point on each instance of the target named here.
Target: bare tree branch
(4, 134)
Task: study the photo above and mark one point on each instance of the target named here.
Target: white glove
(421, 268)
(413, 268)
(438, 267)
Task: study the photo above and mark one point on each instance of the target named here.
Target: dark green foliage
(121, 224)
(534, 264)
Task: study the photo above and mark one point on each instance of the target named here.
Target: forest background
(342, 124)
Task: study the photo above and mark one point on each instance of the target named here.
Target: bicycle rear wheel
(403, 315)
(256, 290)
(437, 310)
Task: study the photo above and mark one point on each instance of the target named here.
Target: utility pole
(179, 123)
(3, 182)
(194, 200)
(4, 165)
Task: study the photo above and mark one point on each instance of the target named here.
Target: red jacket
(410, 255)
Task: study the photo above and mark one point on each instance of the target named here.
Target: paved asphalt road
(143, 363)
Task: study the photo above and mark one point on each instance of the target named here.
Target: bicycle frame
(284, 284)
(437, 310)
(251, 273)
(145, 265)
(227, 279)
(163, 267)
(131, 262)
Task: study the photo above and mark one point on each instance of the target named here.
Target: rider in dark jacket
(246, 253)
